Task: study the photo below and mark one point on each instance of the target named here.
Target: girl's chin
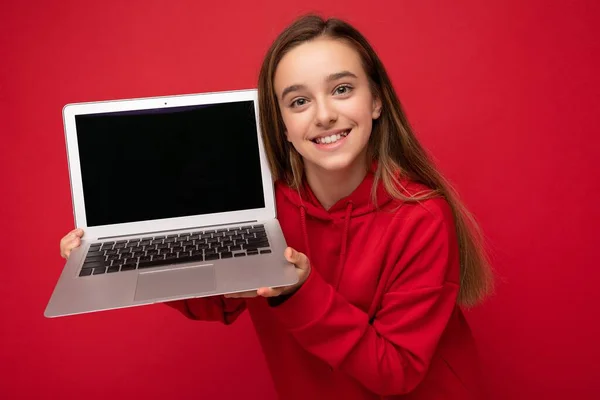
(336, 165)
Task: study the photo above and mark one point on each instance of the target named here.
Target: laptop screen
(172, 162)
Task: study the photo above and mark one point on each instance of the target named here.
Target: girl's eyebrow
(333, 77)
(340, 75)
(290, 89)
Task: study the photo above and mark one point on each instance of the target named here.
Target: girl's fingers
(69, 242)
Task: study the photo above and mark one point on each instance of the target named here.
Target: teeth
(332, 138)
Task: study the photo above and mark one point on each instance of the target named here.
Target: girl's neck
(329, 187)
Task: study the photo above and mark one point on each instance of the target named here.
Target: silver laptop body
(176, 200)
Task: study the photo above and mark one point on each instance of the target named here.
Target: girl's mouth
(332, 138)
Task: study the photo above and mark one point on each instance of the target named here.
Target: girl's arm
(215, 308)
(389, 353)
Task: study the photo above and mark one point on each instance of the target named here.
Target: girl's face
(326, 104)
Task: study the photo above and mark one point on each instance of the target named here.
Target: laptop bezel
(70, 111)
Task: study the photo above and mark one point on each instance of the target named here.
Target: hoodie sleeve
(390, 354)
(215, 308)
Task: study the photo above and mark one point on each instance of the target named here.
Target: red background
(505, 94)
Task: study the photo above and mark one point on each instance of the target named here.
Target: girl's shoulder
(419, 200)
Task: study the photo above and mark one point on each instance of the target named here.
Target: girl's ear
(376, 108)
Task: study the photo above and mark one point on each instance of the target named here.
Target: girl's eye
(298, 102)
(343, 89)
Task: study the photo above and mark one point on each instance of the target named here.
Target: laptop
(176, 200)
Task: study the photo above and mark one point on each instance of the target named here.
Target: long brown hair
(392, 143)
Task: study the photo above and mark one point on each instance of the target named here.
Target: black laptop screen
(173, 162)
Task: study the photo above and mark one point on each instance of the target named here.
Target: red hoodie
(377, 316)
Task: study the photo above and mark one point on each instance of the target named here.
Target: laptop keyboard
(147, 252)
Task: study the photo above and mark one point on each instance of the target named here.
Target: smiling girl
(385, 253)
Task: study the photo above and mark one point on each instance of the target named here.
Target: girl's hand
(69, 242)
(302, 269)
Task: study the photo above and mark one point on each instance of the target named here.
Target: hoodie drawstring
(344, 244)
(303, 225)
(344, 239)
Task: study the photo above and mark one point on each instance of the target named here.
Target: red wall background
(504, 93)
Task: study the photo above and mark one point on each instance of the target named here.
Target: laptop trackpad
(175, 282)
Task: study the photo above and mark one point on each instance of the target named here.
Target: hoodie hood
(358, 203)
